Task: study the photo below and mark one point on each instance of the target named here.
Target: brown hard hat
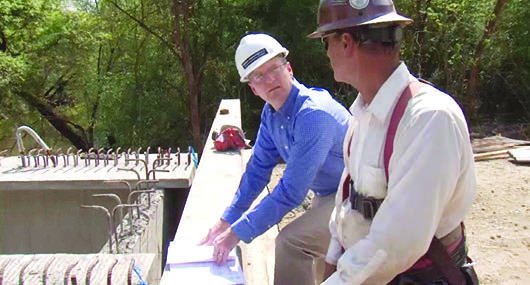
(340, 14)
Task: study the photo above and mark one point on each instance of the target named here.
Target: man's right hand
(329, 269)
(214, 231)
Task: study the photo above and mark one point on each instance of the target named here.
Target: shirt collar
(287, 108)
(387, 95)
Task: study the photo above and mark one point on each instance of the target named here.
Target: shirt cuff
(243, 230)
(334, 251)
(231, 215)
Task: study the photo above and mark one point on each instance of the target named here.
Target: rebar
(145, 165)
(68, 271)
(31, 154)
(98, 156)
(23, 269)
(118, 200)
(87, 157)
(128, 188)
(107, 156)
(147, 154)
(109, 220)
(133, 170)
(68, 152)
(168, 156)
(121, 206)
(3, 269)
(154, 171)
(89, 270)
(116, 153)
(78, 154)
(137, 154)
(141, 182)
(129, 197)
(130, 272)
(45, 271)
(109, 272)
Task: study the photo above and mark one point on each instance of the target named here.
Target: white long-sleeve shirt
(430, 189)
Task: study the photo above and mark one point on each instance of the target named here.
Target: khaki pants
(302, 245)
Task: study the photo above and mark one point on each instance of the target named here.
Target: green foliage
(505, 77)
(122, 84)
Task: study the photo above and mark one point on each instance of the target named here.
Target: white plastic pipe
(33, 134)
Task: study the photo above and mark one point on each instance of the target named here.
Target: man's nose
(267, 78)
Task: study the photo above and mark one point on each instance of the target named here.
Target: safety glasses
(325, 37)
(257, 78)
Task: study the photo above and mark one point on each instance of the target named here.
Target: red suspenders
(437, 252)
(399, 109)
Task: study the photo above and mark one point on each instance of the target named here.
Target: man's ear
(290, 69)
(348, 43)
(252, 88)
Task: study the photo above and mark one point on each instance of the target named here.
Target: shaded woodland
(131, 73)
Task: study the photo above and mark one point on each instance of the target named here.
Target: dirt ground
(497, 226)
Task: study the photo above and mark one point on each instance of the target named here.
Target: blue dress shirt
(307, 133)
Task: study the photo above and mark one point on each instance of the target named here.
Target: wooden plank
(216, 180)
(499, 154)
(215, 183)
(520, 155)
(491, 155)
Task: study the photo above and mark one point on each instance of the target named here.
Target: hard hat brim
(385, 19)
(260, 62)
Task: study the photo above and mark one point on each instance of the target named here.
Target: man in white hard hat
(409, 177)
(305, 127)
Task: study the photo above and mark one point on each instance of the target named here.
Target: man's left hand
(223, 244)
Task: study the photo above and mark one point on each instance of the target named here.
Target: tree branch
(56, 120)
(143, 25)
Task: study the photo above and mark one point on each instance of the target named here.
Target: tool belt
(436, 272)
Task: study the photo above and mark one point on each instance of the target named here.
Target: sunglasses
(325, 37)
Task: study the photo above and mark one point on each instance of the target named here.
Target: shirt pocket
(372, 182)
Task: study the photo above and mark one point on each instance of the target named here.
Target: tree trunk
(191, 72)
(472, 87)
(420, 24)
(64, 127)
(192, 69)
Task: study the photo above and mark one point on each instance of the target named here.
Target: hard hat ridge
(340, 14)
(254, 50)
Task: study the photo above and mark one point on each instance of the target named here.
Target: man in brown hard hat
(409, 177)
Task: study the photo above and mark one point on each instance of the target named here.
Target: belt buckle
(353, 196)
(368, 207)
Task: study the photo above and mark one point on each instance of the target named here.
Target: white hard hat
(254, 50)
